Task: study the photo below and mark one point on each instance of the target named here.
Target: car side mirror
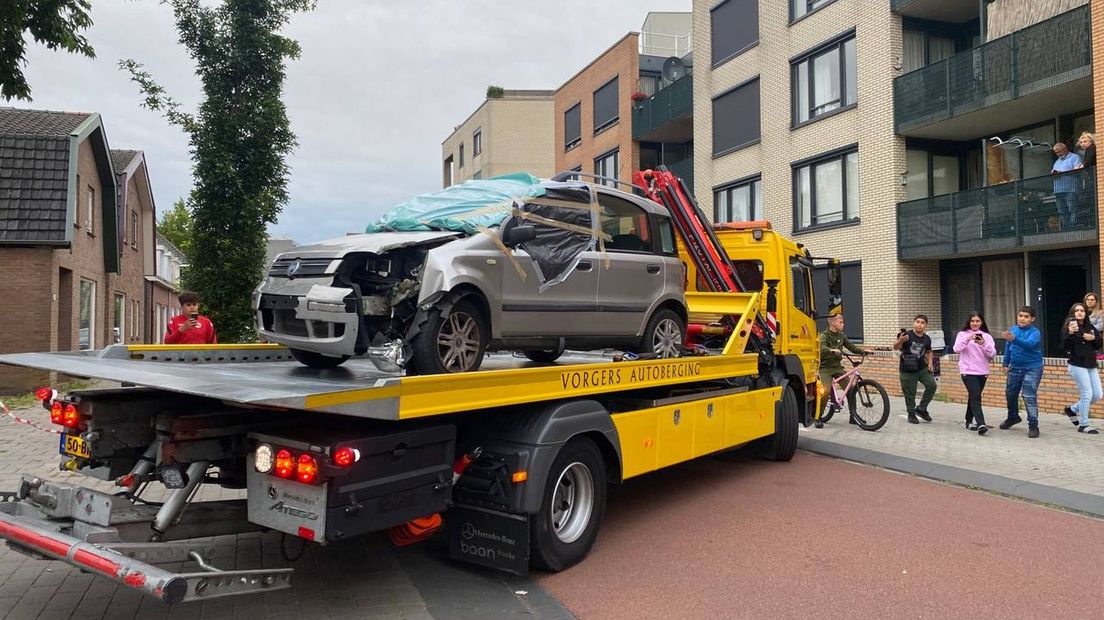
(518, 235)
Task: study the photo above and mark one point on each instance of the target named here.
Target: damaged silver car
(580, 266)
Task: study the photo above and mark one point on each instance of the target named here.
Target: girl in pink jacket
(975, 349)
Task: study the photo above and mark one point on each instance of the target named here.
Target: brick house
(76, 238)
(164, 288)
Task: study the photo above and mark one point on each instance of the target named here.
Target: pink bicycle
(871, 400)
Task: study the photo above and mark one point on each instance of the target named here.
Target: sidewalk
(1062, 467)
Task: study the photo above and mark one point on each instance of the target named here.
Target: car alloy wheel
(458, 342)
(572, 502)
(667, 339)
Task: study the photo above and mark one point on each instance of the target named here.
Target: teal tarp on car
(461, 208)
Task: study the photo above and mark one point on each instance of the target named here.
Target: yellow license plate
(75, 446)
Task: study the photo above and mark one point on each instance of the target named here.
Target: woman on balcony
(1087, 145)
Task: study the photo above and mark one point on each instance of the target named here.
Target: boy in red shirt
(189, 327)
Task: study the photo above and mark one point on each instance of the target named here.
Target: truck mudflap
(27, 530)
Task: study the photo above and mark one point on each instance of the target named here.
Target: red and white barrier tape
(8, 412)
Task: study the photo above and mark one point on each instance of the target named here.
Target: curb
(1073, 500)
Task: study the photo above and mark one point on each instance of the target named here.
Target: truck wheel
(564, 530)
(317, 360)
(783, 443)
(452, 342)
(664, 335)
(544, 356)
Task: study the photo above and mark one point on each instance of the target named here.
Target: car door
(632, 275)
(564, 309)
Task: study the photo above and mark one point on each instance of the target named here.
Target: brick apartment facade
(75, 238)
(507, 134)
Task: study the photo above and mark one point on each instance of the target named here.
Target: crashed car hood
(376, 243)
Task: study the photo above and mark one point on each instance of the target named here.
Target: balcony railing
(1042, 56)
(1053, 210)
(674, 101)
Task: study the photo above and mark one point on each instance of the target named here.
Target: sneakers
(982, 429)
(1088, 430)
(1010, 422)
(971, 426)
(912, 419)
(1033, 432)
(1072, 416)
(923, 415)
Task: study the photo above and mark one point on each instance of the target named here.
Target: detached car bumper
(319, 321)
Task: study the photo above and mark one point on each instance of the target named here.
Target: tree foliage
(176, 226)
(53, 23)
(239, 139)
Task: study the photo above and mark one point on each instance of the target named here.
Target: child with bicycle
(832, 343)
(916, 367)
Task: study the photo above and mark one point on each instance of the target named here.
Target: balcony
(1019, 215)
(954, 11)
(1008, 82)
(668, 115)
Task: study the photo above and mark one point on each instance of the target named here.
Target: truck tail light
(307, 469)
(262, 458)
(71, 418)
(285, 464)
(346, 456)
(45, 394)
(57, 413)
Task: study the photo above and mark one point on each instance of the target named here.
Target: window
(607, 166)
(651, 83)
(572, 127)
(134, 230)
(930, 174)
(667, 237)
(625, 223)
(801, 8)
(461, 157)
(136, 317)
(118, 323)
(90, 209)
(851, 282)
(734, 27)
(76, 205)
(824, 80)
(736, 118)
(739, 202)
(478, 174)
(802, 286)
(605, 105)
(827, 190)
(477, 142)
(86, 320)
(922, 49)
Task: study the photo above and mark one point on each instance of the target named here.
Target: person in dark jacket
(1081, 343)
(1087, 144)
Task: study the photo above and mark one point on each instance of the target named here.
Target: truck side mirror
(835, 287)
(518, 235)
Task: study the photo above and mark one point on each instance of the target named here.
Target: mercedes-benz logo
(467, 531)
(293, 268)
(272, 492)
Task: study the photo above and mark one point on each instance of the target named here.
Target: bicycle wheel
(827, 409)
(871, 406)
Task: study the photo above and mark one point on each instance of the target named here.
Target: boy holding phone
(1023, 359)
(189, 327)
(916, 368)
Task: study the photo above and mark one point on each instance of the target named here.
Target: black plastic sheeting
(555, 251)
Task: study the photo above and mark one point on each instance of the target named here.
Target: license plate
(75, 446)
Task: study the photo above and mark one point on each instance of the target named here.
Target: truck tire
(451, 341)
(783, 443)
(664, 335)
(544, 356)
(565, 528)
(317, 360)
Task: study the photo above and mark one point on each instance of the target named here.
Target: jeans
(1088, 383)
(1067, 208)
(974, 385)
(1028, 380)
(908, 388)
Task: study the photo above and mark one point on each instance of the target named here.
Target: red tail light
(285, 464)
(71, 418)
(344, 457)
(57, 413)
(44, 393)
(307, 471)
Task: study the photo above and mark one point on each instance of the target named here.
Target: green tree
(239, 139)
(53, 23)
(176, 226)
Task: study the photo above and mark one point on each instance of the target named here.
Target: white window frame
(119, 310)
(602, 164)
(91, 314)
(90, 204)
(722, 209)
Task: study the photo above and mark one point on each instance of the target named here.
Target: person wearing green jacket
(832, 343)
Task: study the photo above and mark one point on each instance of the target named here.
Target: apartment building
(511, 131)
(912, 138)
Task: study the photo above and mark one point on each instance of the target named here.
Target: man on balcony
(1065, 186)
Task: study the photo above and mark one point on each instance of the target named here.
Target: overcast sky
(380, 84)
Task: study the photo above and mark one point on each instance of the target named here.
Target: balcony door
(930, 174)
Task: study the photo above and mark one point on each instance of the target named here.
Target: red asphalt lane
(823, 538)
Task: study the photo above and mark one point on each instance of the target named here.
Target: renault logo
(293, 268)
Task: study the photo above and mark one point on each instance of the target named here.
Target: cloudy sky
(379, 85)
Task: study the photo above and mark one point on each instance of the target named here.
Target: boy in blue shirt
(1023, 359)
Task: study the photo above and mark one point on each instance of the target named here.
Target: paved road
(823, 538)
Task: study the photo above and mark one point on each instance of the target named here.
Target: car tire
(544, 356)
(664, 335)
(317, 360)
(574, 500)
(452, 341)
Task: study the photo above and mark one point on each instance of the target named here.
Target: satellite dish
(673, 68)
